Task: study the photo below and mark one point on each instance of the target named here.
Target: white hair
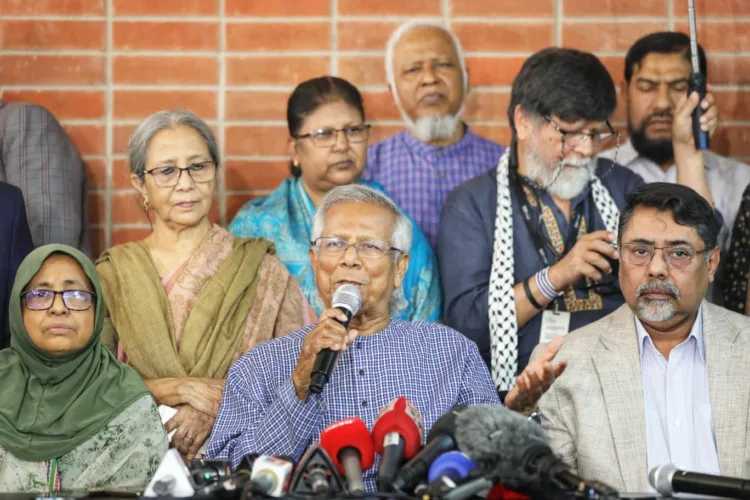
(358, 193)
(428, 128)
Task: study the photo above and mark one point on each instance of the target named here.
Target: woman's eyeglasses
(327, 137)
(74, 300)
(204, 171)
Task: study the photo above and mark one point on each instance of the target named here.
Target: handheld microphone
(398, 435)
(447, 472)
(668, 479)
(696, 82)
(271, 475)
(350, 446)
(348, 299)
(439, 440)
(316, 474)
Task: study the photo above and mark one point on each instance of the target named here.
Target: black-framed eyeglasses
(598, 139)
(676, 256)
(327, 137)
(74, 300)
(367, 249)
(201, 172)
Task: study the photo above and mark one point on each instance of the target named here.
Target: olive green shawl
(51, 404)
(141, 320)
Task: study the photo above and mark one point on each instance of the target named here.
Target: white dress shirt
(679, 425)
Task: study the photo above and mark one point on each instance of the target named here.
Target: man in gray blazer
(37, 156)
(666, 377)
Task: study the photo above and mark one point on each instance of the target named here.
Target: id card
(554, 324)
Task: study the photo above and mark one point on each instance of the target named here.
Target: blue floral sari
(285, 217)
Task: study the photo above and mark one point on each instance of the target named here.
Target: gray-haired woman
(190, 298)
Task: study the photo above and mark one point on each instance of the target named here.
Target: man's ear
(402, 265)
(713, 263)
(523, 123)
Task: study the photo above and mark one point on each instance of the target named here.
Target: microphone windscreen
(347, 296)
(348, 433)
(489, 434)
(660, 478)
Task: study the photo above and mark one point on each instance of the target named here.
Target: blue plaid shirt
(418, 177)
(430, 364)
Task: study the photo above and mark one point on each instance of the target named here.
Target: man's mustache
(658, 286)
(659, 115)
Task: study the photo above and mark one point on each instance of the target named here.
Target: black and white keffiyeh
(502, 306)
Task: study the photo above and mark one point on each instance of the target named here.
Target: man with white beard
(418, 167)
(527, 250)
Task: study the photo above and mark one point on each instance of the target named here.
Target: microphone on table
(448, 471)
(439, 440)
(347, 299)
(398, 435)
(350, 446)
(316, 474)
(667, 479)
(270, 475)
(516, 451)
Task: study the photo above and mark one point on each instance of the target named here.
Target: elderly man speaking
(359, 237)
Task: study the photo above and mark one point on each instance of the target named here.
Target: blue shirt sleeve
(477, 386)
(465, 258)
(258, 416)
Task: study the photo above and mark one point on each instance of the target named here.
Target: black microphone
(668, 479)
(439, 440)
(516, 450)
(316, 474)
(347, 299)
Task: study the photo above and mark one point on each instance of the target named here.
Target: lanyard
(532, 217)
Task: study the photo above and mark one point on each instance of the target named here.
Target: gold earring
(295, 163)
(145, 205)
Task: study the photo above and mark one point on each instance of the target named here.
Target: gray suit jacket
(594, 413)
(37, 156)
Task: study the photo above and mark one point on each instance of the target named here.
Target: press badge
(554, 324)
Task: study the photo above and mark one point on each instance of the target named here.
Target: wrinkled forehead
(422, 42)
(359, 221)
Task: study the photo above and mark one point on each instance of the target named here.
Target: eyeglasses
(367, 249)
(74, 300)
(204, 171)
(598, 139)
(640, 254)
(327, 137)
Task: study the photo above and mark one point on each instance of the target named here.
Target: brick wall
(102, 65)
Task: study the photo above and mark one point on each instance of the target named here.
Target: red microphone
(349, 444)
(398, 435)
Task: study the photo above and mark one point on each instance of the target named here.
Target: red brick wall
(102, 65)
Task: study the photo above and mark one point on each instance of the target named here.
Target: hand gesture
(535, 379)
(327, 334)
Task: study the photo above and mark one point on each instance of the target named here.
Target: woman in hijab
(72, 417)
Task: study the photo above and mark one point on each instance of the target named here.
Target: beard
(567, 184)
(431, 128)
(657, 310)
(659, 151)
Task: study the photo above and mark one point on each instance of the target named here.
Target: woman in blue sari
(328, 146)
